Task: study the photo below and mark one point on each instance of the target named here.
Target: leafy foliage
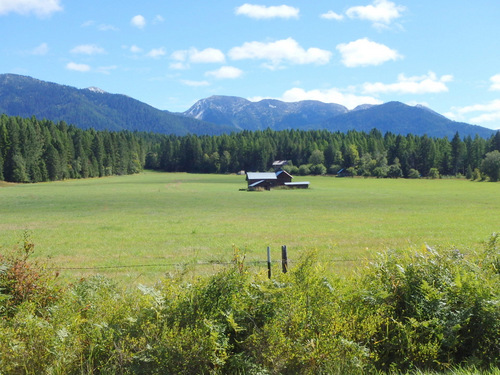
(413, 310)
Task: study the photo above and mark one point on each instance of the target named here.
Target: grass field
(141, 226)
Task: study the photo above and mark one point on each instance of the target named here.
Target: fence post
(284, 259)
(268, 262)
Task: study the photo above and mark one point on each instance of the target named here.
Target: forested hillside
(34, 150)
(92, 108)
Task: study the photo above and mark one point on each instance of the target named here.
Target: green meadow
(136, 228)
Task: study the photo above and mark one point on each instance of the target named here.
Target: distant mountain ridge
(267, 113)
(92, 107)
(392, 117)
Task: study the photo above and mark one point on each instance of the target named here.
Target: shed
(297, 185)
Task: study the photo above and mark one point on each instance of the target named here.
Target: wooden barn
(268, 180)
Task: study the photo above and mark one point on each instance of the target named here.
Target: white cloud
(88, 49)
(428, 83)
(42, 49)
(487, 113)
(41, 8)
(178, 65)
(77, 67)
(195, 83)
(381, 12)
(280, 51)
(495, 83)
(331, 15)
(138, 21)
(135, 49)
(333, 95)
(157, 52)
(208, 55)
(184, 57)
(263, 12)
(364, 52)
(226, 72)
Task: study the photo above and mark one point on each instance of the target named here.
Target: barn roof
(257, 183)
(285, 172)
(280, 163)
(261, 176)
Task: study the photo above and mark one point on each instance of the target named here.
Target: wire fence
(200, 264)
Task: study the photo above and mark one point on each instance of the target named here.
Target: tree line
(33, 150)
(321, 152)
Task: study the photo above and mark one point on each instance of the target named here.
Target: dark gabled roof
(285, 172)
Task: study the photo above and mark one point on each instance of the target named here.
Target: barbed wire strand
(256, 262)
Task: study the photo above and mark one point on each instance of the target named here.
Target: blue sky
(443, 54)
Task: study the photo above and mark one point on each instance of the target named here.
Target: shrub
(380, 172)
(23, 280)
(304, 170)
(318, 169)
(432, 309)
(476, 174)
(433, 173)
(413, 173)
(334, 168)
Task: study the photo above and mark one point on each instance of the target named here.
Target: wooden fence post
(268, 262)
(284, 259)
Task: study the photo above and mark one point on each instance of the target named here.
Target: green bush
(416, 310)
(433, 308)
(433, 173)
(305, 169)
(413, 173)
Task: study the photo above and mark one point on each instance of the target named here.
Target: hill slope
(403, 119)
(25, 96)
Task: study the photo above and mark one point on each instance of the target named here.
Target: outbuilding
(268, 180)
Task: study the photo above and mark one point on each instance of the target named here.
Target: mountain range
(92, 107)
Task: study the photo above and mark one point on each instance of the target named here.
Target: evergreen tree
(53, 163)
